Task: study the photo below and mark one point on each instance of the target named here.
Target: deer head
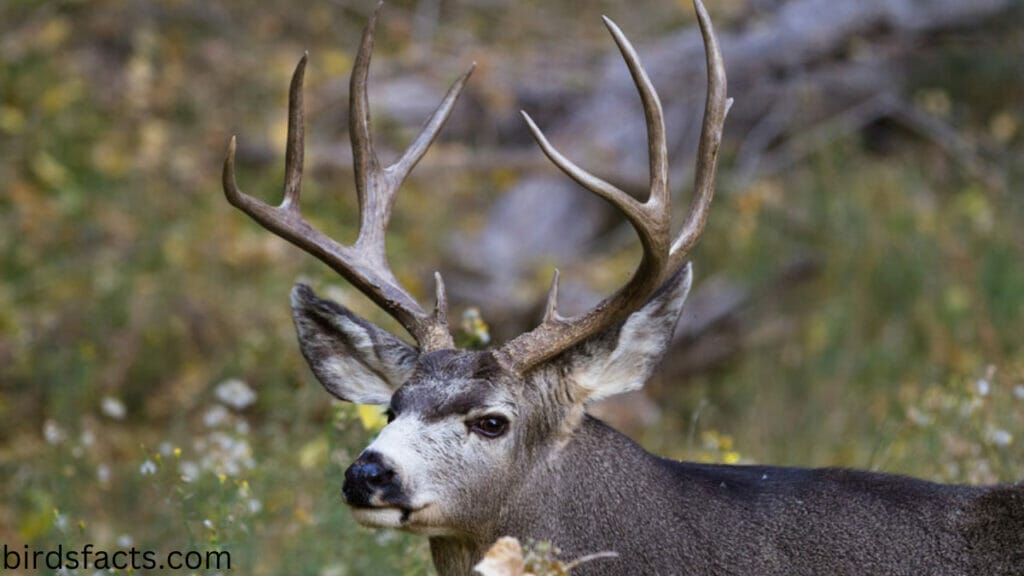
(468, 429)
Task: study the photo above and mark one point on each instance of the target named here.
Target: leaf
(314, 454)
(38, 520)
(49, 170)
(503, 558)
(12, 120)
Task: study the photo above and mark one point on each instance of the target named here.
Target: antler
(652, 219)
(364, 263)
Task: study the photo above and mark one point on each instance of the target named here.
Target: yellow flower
(372, 417)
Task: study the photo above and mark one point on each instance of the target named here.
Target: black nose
(370, 474)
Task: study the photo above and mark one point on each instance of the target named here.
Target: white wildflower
(254, 506)
(1018, 391)
(113, 408)
(87, 438)
(208, 523)
(224, 454)
(216, 416)
(983, 387)
(235, 393)
(1000, 437)
(188, 470)
(125, 541)
(148, 468)
(53, 433)
(103, 473)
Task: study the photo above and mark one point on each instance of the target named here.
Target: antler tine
(284, 220)
(294, 155)
(377, 187)
(716, 107)
(430, 129)
(364, 264)
(657, 147)
(364, 158)
(630, 206)
(440, 299)
(551, 308)
(651, 218)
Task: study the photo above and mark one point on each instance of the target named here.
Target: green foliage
(131, 293)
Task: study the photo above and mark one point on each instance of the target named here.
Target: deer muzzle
(372, 482)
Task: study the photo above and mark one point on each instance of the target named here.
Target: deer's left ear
(623, 357)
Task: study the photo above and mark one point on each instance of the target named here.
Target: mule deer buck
(483, 444)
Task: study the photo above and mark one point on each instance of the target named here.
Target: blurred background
(859, 294)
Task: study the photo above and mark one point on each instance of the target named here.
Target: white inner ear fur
(347, 378)
(352, 375)
(614, 367)
(358, 337)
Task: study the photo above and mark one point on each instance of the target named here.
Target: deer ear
(624, 356)
(354, 360)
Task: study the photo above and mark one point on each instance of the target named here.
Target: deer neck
(548, 504)
(456, 556)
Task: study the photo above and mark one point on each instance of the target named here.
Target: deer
(482, 444)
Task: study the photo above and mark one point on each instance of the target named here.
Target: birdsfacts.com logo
(89, 557)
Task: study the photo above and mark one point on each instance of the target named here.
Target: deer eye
(489, 426)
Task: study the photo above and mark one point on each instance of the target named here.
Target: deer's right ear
(622, 358)
(354, 360)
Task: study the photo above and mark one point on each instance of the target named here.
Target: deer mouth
(399, 517)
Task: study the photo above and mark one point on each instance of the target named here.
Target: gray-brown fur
(603, 492)
(563, 476)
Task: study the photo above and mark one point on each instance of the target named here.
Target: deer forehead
(433, 399)
(451, 383)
